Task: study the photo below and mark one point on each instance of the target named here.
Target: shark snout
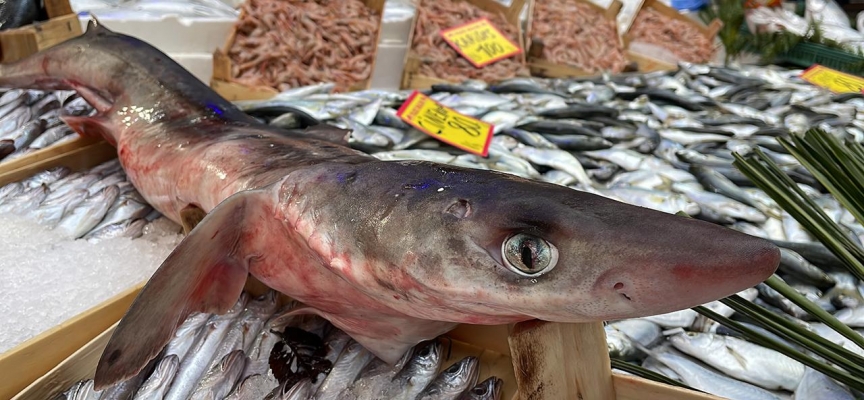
(661, 275)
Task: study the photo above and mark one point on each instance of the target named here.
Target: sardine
(490, 389)
(452, 381)
(374, 378)
(418, 372)
(704, 379)
(742, 360)
(795, 265)
(815, 385)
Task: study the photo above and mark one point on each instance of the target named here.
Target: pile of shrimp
(683, 40)
(291, 43)
(439, 60)
(576, 34)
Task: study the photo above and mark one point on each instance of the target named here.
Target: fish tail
(65, 67)
(205, 273)
(54, 68)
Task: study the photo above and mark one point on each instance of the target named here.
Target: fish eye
(529, 255)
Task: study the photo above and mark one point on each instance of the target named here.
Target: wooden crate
(536, 360)
(572, 362)
(547, 69)
(412, 79)
(36, 356)
(63, 24)
(647, 63)
(223, 83)
(92, 151)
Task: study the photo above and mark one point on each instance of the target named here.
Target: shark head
(471, 246)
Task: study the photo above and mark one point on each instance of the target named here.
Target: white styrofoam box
(396, 31)
(388, 66)
(172, 34)
(200, 64)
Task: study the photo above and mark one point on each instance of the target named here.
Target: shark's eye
(529, 255)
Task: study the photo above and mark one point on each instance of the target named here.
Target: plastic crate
(806, 54)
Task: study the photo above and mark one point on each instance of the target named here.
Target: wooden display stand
(571, 361)
(222, 81)
(411, 77)
(63, 25)
(544, 68)
(535, 359)
(647, 63)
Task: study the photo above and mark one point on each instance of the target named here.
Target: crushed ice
(45, 278)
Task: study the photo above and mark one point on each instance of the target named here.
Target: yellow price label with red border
(446, 125)
(480, 42)
(833, 80)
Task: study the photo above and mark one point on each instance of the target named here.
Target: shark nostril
(620, 285)
(460, 208)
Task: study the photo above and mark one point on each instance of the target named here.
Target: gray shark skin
(393, 253)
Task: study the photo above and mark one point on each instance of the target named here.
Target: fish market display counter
(552, 361)
(631, 138)
(532, 360)
(664, 141)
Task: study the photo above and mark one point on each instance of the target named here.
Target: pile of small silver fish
(258, 350)
(660, 140)
(30, 120)
(94, 205)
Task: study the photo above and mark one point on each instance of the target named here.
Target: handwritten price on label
(833, 80)
(480, 42)
(446, 125)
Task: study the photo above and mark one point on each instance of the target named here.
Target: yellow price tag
(480, 42)
(833, 80)
(446, 125)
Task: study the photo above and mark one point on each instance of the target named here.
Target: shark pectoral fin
(205, 273)
(90, 126)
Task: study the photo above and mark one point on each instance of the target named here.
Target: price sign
(480, 42)
(835, 81)
(446, 125)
